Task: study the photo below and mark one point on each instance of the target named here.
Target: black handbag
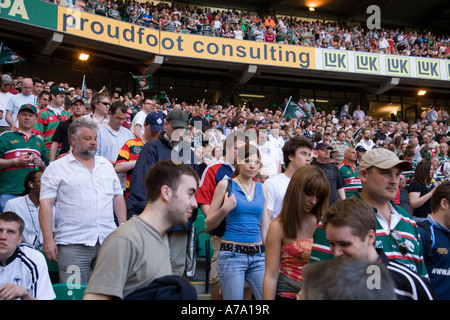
(218, 232)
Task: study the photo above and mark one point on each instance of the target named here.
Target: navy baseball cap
(155, 120)
(323, 145)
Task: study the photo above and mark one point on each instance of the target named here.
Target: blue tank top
(243, 222)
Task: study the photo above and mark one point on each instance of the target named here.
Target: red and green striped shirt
(351, 177)
(46, 124)
(14, 144)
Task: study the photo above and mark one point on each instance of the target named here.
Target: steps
(199, 281)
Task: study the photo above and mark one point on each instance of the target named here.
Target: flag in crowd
(83, 87)
(7, 56)
(144, 82)
(293, 110)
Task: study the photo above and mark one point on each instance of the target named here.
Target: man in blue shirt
(168, 146)
(435, 236)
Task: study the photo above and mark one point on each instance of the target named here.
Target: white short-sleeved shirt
(27, 268)
(276, 190)
(4, 98)
(139, 119)
(368, 146)
(18, 100)
(84, 201)
(270, 158)
(109, 143)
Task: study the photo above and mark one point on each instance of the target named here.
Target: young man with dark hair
(50, 117)
(351, 229)
(296, 154)
(169, 145)
(60, 139)
(435, 237)
(335, 177)
(136, 254)
(112, 136)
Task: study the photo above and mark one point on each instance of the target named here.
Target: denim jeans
(236, 268)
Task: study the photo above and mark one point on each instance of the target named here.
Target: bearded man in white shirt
(87, 193)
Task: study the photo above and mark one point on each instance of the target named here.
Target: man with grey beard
(85, 192)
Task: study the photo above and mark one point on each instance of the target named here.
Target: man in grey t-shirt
(135, 253)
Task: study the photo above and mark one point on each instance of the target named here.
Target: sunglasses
(399, 241)
(106, 103)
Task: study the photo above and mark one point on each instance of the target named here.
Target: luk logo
(428, 69)
(367, 63)
(397, 66)
(335, 60)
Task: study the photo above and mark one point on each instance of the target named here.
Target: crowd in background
(269, 28)
(336, 140)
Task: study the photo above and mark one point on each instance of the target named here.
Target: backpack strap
(430, 235)
(229, 186)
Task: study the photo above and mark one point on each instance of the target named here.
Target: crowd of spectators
(321, 126)
(347, 132)
(269, 28)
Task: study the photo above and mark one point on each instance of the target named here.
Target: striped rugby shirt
(130, 152)
(406, 228)
(14, 144)
(28, 268)
(339, 149)
(46, 124)
(351, 177)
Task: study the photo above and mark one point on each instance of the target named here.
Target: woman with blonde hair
(290, 236)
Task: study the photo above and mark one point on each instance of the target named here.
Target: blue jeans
(236, 268)
(4, 198)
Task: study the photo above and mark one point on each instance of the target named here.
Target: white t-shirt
(18, 100)
(366, 145)
(139, 119)
(4, 97)
(276, 190)
(309, 106)
(270, 158)
(278, 144)
(29, 270)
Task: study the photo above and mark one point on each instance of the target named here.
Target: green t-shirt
(12, 146)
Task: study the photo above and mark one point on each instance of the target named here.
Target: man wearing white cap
(397, 232)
